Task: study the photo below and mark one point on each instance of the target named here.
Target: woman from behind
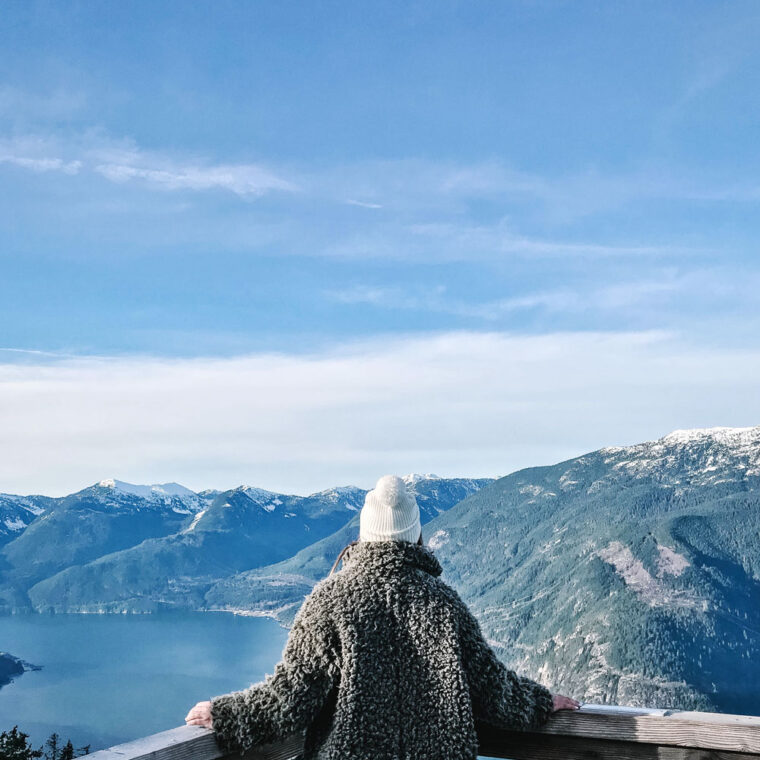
(384, 660)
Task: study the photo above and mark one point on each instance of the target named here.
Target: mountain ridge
(628, 574)
(140, 548)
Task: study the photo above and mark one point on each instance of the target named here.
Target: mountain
(138, 548)
(78, 528)
(628, 575)
(235, 531)
(278, 589)
(16, 512)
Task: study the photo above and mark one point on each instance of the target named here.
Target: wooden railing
(598, 732)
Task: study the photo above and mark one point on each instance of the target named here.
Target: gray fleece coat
(384, 661)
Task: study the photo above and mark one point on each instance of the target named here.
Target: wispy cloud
(363, 204)
(475, 403)
(376, 296)
(585, 298)
(419, 186)
(42, 164)
(123, 161)
(37, 155)
(452, 242)
(424, 204)
(589, 299)
(408, 187)
(668, 294)
(417, 211)
(499, 238)
(241, 179)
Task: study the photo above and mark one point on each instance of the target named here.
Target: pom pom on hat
(390, 513)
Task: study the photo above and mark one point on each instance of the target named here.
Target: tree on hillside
(54, 750)
(14, 745)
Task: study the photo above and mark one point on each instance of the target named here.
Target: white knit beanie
(389, 513)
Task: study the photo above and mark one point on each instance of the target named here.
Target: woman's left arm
(287, 700)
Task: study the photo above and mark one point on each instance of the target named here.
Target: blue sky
(232, 185)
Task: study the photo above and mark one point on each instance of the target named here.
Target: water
(107, 679)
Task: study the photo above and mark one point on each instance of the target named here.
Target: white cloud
(377, 296)
(500, 238)
(463, 403)
(585, 298)
(241, 179)
(123, 161)
(363, 204)
(410, 187)
(464, 241)
(43, 164)
(35, 155)
(417, 187)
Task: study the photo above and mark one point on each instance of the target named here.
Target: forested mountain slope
(278, 589)
(117, 547)
(627, 575)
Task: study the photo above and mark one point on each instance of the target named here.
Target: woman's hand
(562, 703)
(200, 715)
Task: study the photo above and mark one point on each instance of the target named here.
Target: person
(384, 659)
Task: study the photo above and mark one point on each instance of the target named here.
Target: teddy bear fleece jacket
(384, 661)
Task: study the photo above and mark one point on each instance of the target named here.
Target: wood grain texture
(182, 743)
(524, 746)
(732, 733)
(595, 732)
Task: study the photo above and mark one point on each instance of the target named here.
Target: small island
(11, 667)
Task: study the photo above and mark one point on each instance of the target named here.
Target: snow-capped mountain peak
(147, 491)
(267, 500)
(726, 435)
(700, 455)
(415, 477)
(352, 497)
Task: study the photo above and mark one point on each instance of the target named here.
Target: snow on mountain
(24, 502)
(195, 521)
(268, 500)
(733, 436)
(415, 477)
(16, 512)
(703, 455)
(627, 574)
(350, 497)
(147, 491)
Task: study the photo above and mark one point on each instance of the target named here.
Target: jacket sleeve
(288, 699)
(500, 697)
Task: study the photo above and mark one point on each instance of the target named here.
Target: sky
(303, 244)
